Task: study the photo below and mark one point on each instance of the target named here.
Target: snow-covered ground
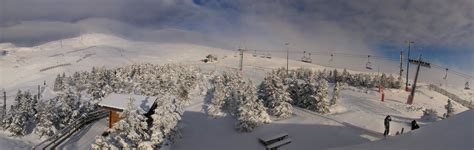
(357, 119)
(452, 133)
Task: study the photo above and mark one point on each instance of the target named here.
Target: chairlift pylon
(446, 75)
(368, 65)
(309, 59)
(466, 86)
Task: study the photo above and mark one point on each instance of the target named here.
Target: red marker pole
(383, 96)
(383, 93)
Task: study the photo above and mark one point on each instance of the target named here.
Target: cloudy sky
(443, 30)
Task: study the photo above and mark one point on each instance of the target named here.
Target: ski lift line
(452, 71)
(363, 56)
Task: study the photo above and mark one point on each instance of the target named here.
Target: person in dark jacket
(387, 125)
(414, 125)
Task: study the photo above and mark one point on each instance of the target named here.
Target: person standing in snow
(414, 125)
(387, 125)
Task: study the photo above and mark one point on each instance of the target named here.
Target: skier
(387, 125)
(414, 125)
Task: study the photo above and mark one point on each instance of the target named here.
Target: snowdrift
(455, 133)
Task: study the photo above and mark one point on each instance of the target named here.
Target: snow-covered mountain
(357, 119)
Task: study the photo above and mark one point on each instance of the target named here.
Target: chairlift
(368, 65)
(330, 60)
(306, 59)
(269, 56)
(255, 53)
(466, 86)
(263, 55)
(304, 56)
(309, 59)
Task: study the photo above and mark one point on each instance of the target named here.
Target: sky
(442, 30)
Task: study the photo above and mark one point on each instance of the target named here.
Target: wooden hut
(116, 103)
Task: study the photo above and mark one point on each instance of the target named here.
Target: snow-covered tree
(274, 95)
(335, 94)
(19, 117)
(217, 96)
(165, 121)
(321, 105)
(430, 115)
(58, 83)
(449, 109)
(132, 129)
(68, 107)
(234, 91)
(100, 143)
(46, 118)
(251, 113)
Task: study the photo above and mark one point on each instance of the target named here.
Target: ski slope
(452, 133)
(357, 120)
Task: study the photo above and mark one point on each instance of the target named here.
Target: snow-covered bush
(430, 115)
(100, 143)
(274, 95)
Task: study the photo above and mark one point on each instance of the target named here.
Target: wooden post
(110, 119)
(39, 92)
(401, 66)
(241, 59)
(4, 103)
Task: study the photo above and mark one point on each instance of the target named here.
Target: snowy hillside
(357, 119)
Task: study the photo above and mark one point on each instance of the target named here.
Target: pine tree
(165, 121)
(19, 117)
(322, 105)
(449, 109)
(132, 129)
(46, 119)
(251, 113)
(68, 109)
(217, 94)
(274, 95)
(58, 83)
(335, 94)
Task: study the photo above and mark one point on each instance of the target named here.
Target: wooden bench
(274, 141)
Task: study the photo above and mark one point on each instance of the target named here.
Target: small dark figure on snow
(387, 125)
(414, 125)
